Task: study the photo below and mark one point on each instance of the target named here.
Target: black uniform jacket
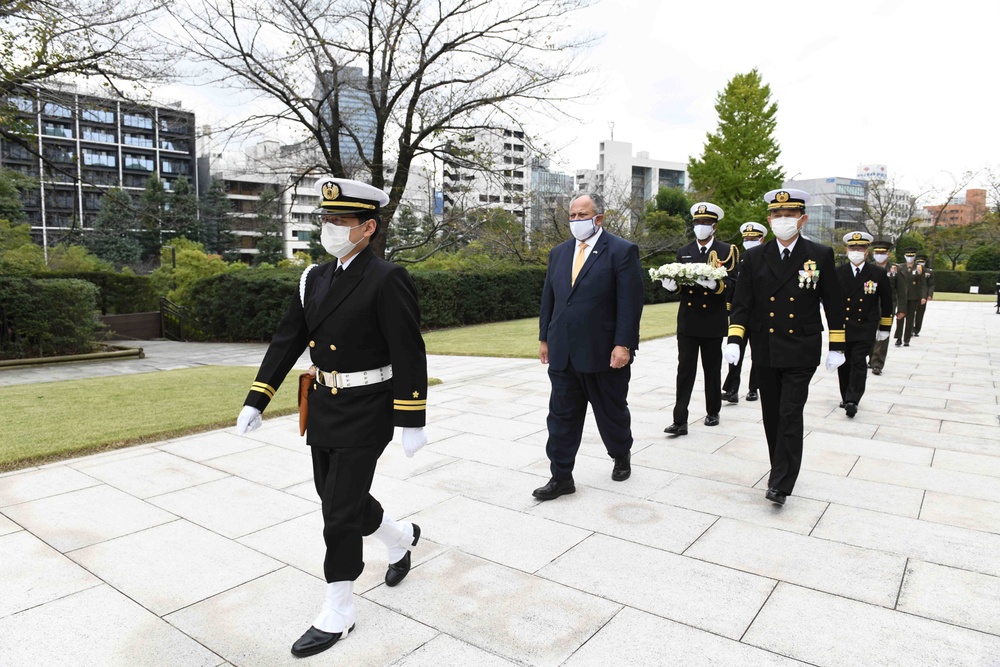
(704, 312)
(782, 309)
(867, 301)
(367, 318)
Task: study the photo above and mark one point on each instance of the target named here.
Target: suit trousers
(853, 373)
(344, 480)
(904, 327)
(783, 394)
(732, 382)
(607, 393)
(918, 322)
(880, 349)
(688, 349)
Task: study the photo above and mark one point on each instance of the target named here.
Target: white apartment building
(489, 169)
(883, 195)
(623, 177)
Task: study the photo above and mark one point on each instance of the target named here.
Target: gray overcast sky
(901, 83)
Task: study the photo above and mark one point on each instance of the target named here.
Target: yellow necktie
(581, 257)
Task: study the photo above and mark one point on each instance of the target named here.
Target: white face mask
(704, 231)
(880, 257)
(785, 228)
(748, 243)
(909, 260)
(583, 229)
(337, 239)
(857, 257)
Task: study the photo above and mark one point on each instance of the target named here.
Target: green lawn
(52, 420)
(959, 296)
(519, 338)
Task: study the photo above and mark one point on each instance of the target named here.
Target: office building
(835, 203)
(345, 90)
(960, 211)
(488, 169)
(550, 194)
(624, 179)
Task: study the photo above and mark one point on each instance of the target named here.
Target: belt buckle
(327, 376)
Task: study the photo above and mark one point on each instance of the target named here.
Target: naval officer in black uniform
(702, 317)
(867, 316)
(782, 286)
(359, 317)
(753, 235)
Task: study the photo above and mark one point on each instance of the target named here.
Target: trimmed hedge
(119, 293)
(961, 281)
(40, 318)
(248, 305)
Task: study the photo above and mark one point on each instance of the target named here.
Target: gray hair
(597, 199)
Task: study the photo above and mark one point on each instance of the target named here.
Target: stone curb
(122, 353)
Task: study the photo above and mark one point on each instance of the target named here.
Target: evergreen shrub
(42, 318)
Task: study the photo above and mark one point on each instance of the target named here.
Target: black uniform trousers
(607, 393)
(783, 394)
(732, 382)
(853, 373)
(688, 349)
(919, 320)
(344, 481)
(907, 322)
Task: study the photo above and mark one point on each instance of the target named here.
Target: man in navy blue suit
(588, 333)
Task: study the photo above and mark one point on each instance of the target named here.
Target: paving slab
(34, 573)
(446, 651)
(22, 487)
(978, 464)
(820, 460)
(153, 474)
(592, 472)
(507, 612)
(271, 466)
(489, 484)
(852, 492)
(867, 447)
(961, 511)
(210, 445)
(963, 598)
(719, 467)
(928, 478)
(7, 526)
(491, 427)
(492, 451)
(834, 631)
(718, 599)
(255, 624)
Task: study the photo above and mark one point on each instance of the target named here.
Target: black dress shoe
(876, 371)
(906, 345)
(712, 420)
(398, 570)
(731, 396)
(623, 467)
(898, 343)
(775, 496)
(842, 404)
(852, 409)
(676, 429)
(555, 488)
(316, 641)
(751, 395)
(916, 334)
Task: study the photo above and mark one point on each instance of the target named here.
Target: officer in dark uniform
(359, 316)
(753, 235)
(918, 321)
(867, 316)
(702, 317)
(916, 295)
(897, 281)
(782, 286)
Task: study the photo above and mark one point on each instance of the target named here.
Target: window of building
(16, 152)
(57, 130)
(507, 159)
(134, 181)
(138, 162)
(101, 134)
(22, 103)
(26, 169)
(140, 140)
(99, 158)
(519, 135)
(173, 125)
(482, 198)
(494, 198)
(97, 177)
(174, 144)
(519, 160)
(57, 110)
(137, 120)
(507, 133)
(91, 201)
(507, 200)
(98, 115)
(57, 153)
(301, 235)
(506, 147)
(518, 148)
(518, 174)
(175, 167)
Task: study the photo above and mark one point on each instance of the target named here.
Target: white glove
(249, 420)
(669, 284)
(881, 336)
(732, 354)
(708, 283)
(834, 360)
(413, 440)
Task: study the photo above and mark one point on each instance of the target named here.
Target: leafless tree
(889, 211)
(384, 82)
(959, 184)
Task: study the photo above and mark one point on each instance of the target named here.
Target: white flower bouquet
(688, 274)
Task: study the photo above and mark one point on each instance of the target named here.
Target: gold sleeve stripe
(838, 336)
(729, 306)
(269, 394)
(885, 321)
(266, 388)
(401, 401)
(411, 408)
(737, 330)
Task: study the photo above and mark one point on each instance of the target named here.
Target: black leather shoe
(751, 395)
(876, 371)
(623, 467)
(676, 429)
(316, 641)
(731, 396)
(898, 343)
(775, 496)
(852, 409)
(916, 334)
(842, 404)
(906, 345)
(555, 488)
(397, 571)
(712, 420)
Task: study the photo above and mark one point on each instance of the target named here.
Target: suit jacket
(783, 312)
(897, 281)
(916, 281)
(367, 318)
(583, 322)
(867, 301)
(705, 312)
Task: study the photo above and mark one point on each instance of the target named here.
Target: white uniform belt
(355, 379)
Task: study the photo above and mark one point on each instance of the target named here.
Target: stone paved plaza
(207, 550)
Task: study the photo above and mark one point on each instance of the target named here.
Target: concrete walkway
(207, 550)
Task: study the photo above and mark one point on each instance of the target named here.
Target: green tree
(73, 258)
(193, 264)
(664, 226)
(112, 238)
(984, 258)
(270, 245)
(216, 229)
(181, 217)
(740, 161)
(150, 216)
(914, 240)
(18, 254)
(11, 183)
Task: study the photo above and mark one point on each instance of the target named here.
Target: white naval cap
(342, 195)
(706, 211)
(786, 198)
(858, 238)
(753, 230)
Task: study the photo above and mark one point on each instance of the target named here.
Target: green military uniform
(918, 323)
(897, 281)
(916, 292)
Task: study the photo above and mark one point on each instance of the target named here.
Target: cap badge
(702, 209)
(856, 236)
(330, 191)
(781, 197)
